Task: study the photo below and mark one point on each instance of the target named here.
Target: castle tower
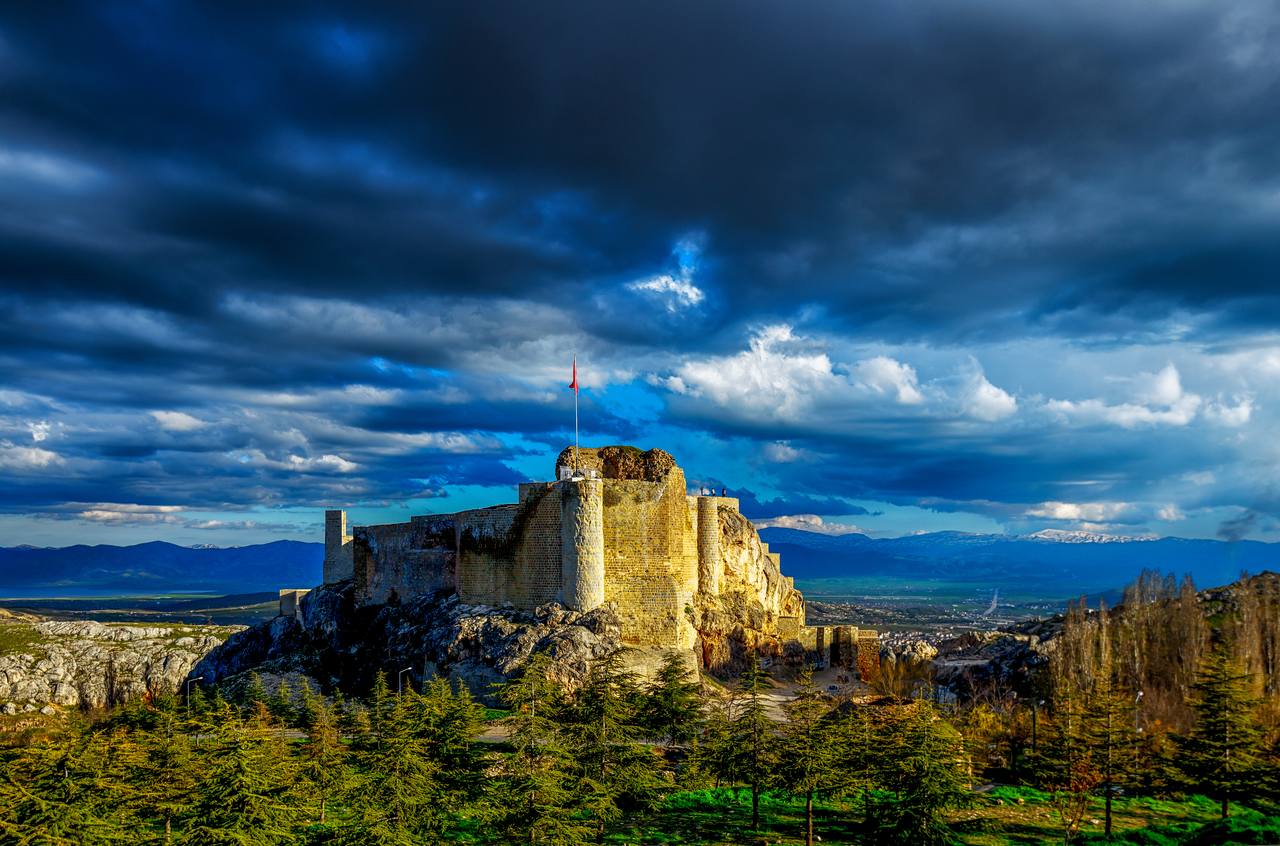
(582, 543)
(709, 563)
(338, 564)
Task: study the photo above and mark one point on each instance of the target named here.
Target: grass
(18, 637)
(1017, 815)
(1005, 815)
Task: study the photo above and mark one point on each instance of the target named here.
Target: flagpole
(576, 466)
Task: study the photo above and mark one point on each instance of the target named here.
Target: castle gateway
(618, 526)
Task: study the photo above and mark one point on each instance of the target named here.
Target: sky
(887, 267)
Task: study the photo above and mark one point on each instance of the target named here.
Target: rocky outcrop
(88, 664)
(754, 608)
(619, 462)
(342, 646)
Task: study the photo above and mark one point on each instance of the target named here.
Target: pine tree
(1111, 737)
(280, 703)
(167, 775)
(808, 755)
(448, 721)
(398, 798)
(715, 753)
(247, 794)
(324, 772)
(923, 763)
(1219, 755)
(753, 734)
(254, 692)
(613, 768)
(48, 793)
(672, 707)
(535, 802)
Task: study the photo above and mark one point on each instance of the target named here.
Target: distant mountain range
(159, 567)
(1054, 561)
(1057, 563)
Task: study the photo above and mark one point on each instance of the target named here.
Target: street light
(189, 681)
(400, 680)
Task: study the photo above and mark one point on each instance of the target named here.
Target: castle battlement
(617, 526)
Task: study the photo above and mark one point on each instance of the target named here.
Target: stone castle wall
(628, 535)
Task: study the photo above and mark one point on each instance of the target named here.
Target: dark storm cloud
(237, 212)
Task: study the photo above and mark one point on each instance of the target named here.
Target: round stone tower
(582, 543)
(709, 564)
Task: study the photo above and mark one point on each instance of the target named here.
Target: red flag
(574, 383)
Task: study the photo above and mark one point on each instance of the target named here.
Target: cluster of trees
(1148, 698)
(410, 767)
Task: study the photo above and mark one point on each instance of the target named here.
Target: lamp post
(189, 681)
(400, 680)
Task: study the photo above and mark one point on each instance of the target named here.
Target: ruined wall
(649, 571)
(486, 554)
(403, 560)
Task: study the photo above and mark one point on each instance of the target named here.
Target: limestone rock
(343, 646)
(619, 462)
(89, 664)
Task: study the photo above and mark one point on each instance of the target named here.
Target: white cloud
(807, 523)
(131, 514)
(1171, 514)
(781, 452)
(984, 401)
(1093, 512)
(884, 375)
(178, 421)
(676, 293)
(768, 377)
(327, 463)
(40, 430)
(1233, 416)
(14, 457)
(1160, 397)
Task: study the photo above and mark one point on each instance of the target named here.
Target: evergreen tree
(753, 734)
(672, 707)
(715, 753)
(535, 802)
(398, 798)
(1111, 737)
(254, 692)
(166, 776)
(613, 768)
(324, 771)
(49, 793)
(280, 703)
(247, 794)
(923, 763)
(808, 757)
(448, 722)
(1218, 757)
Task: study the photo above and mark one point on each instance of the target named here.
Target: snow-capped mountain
(1078, 536)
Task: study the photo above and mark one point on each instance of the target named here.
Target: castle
(616, 526)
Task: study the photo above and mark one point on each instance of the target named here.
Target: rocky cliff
(88, 664)
(342, 647)
(758, 610)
